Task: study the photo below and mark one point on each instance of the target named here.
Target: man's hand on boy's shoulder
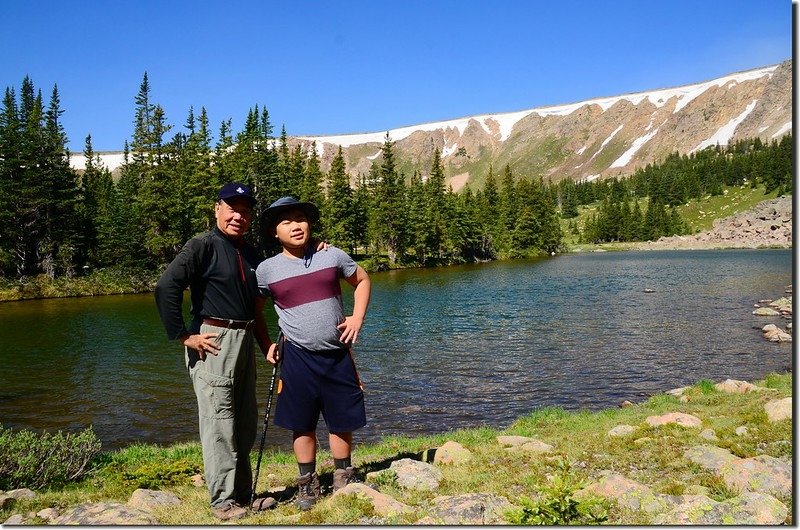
(321, 245)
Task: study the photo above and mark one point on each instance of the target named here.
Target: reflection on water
(442, 348)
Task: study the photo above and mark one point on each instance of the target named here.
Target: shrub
(557, 504)
(37, 461)
(156, 475)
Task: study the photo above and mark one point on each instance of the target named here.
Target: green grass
(700, 215)
(112, 280)
(583, 451)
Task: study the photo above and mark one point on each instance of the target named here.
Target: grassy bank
(582, 451)
(700, 215)
(112, 280)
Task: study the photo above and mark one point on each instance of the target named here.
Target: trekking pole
(281, 338)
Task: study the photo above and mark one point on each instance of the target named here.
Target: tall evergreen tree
(338, 214)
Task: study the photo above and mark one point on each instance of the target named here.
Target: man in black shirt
(219, 268)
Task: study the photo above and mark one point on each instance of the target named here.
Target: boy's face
(293, 229)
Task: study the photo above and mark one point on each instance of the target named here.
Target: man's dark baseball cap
(290, 203)
(236, 190)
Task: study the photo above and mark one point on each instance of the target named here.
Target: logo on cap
(239, 190)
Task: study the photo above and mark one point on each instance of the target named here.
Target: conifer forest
(59, 222)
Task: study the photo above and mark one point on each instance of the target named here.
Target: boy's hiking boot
(343, 477)
(228, 511)
(307, 491)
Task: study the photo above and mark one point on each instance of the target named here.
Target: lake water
(442, 349)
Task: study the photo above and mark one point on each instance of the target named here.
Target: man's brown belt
(231, 324)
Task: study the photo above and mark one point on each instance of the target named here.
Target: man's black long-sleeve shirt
(221, 286)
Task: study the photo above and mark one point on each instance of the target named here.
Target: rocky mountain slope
(587, 140)
(602, 137)
(767, 225)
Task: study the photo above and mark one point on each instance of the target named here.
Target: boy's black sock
(341, 463)
(307, 468)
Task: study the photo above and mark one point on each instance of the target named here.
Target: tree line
(59, 223)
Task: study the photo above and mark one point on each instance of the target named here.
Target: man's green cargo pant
(225, 386)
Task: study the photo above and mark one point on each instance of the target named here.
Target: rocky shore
(719, 485)
(767, 225)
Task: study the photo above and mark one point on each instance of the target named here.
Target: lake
(441, 349)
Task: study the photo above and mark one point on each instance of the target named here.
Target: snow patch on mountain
(786, 127)
(111, 161)
(626, 157)
(613, 134)
(447, 151)
(725, 132)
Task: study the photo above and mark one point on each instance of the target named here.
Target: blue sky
(347, 66)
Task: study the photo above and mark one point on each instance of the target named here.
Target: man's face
(234, 217)
(293, 229)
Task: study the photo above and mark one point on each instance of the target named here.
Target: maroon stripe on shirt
(312, 287)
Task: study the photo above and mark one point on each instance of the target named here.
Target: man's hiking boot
(229, 511)
(343, 477)
(307, 491)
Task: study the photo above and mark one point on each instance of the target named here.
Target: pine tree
(387, 216)
(339, 214)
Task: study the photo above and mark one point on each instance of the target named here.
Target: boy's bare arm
(352, 324)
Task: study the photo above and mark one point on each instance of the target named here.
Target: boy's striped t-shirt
(307, 295)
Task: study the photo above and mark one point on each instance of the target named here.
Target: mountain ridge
(600, 137)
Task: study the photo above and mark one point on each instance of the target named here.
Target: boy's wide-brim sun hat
(285, 204)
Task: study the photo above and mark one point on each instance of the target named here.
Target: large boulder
(413, 474)
(779, 409)
(452, 453)
(383, 504)
(468, 509)
(678, 418)
(105, 513)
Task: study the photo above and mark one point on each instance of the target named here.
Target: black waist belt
(231, 324)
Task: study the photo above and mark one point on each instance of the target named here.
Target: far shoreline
(83, 286)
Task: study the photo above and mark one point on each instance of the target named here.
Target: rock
(678, 392)
(534, 446)
(512, 441)
(6, 501)
(198, 480)
(145, 499)
(383, 504)
(766, 312)
(468, 509)
(782, 304)
(697, 489)
(105, 513)
(14, 520)
(22, 494)
(627, 493)
(679, 418)
(732, 386)
(452, 453)
(709, 457)
(621, 430)
(626, 404)
(48, 514)
(413, 474)
(762, 474)
(747, 509)
(524, 443)
(779, 409)
(741, 430)
(709, 434)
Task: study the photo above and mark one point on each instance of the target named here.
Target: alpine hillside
(587, 140)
